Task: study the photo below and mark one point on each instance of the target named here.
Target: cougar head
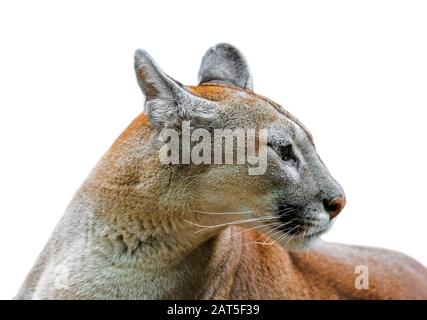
(294, 200)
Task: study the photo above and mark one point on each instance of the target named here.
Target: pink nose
(334, 206)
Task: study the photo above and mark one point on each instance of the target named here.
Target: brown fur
(247, 269)
(124, 236)
(263, 271)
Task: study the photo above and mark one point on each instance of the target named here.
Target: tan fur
(124, 235)
(326, 271)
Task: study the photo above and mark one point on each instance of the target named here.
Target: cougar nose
(334, 206)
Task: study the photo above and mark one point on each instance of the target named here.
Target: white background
(355, 72)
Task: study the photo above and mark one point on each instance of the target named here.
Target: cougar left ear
(223, 63)
(167, 101)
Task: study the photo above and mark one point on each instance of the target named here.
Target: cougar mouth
(291, 218)
(316, 233)
(296, 224)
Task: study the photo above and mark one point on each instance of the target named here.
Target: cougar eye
(286, 153)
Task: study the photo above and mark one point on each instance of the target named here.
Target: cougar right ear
(167, 102)
(224, 63)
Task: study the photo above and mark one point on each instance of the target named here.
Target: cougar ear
(168, 102)
(223, 63)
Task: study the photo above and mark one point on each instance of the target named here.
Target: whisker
(280, 238)
(284, 235)
(246, 230)
(280, 212)
(304, 232)
(281, 225)
(307, 253)
(228, 223)
(292, 236)
(273, 226)
(230, 212)
(272, 235)
(277, 232)
(287, 233)
(286, 210)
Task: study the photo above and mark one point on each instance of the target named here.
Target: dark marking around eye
(285, 152)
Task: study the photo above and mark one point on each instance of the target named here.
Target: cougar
(138, 228)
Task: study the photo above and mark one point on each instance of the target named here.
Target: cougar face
(294, 201)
